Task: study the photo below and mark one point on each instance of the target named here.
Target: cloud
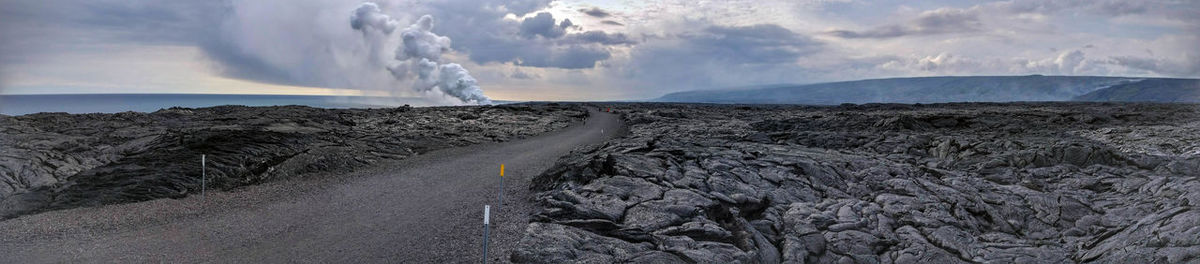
(1103, 7)
(543, 24)
(1071, 62)
(320, 50)
(540, 53)
(45, 27)
(599, 37)
(673, 45)
(720, 56)
(757, 44)
(519, 74)
(1120, 7)
(231, 61)
(143, 21)
(518, 7)
(1187, 65)
(595, 12)
(938, 21)
(569, 57)
(942, 63)
(537, 41)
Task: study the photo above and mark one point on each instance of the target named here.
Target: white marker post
(486, 214)
(501, 200)
(203, 176)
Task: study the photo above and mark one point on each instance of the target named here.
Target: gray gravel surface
(423, 209)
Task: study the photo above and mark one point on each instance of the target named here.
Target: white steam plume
(420, 52)
(369, 15)
(419, 42)
(457, 82)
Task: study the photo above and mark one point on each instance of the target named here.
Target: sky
(473, 51)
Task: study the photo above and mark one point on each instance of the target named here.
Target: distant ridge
(1149, 90)
(957, 89)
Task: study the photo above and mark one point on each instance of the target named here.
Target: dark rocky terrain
(946, 183)
(51, 161)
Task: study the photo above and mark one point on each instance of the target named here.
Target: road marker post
(203, 176)
(501, 201)
(486, 212)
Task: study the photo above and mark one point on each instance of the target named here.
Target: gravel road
(424, 209)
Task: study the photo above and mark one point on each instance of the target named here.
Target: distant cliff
(956, 89)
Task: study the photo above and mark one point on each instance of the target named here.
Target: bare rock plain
(695, 183)
(879, 183)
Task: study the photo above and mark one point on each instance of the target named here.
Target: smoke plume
(420, 53)
(369, 15)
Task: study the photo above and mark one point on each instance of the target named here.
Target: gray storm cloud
(420, 53)
(933, 22)
(543, 24)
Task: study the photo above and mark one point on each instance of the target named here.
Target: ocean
(112, 103)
